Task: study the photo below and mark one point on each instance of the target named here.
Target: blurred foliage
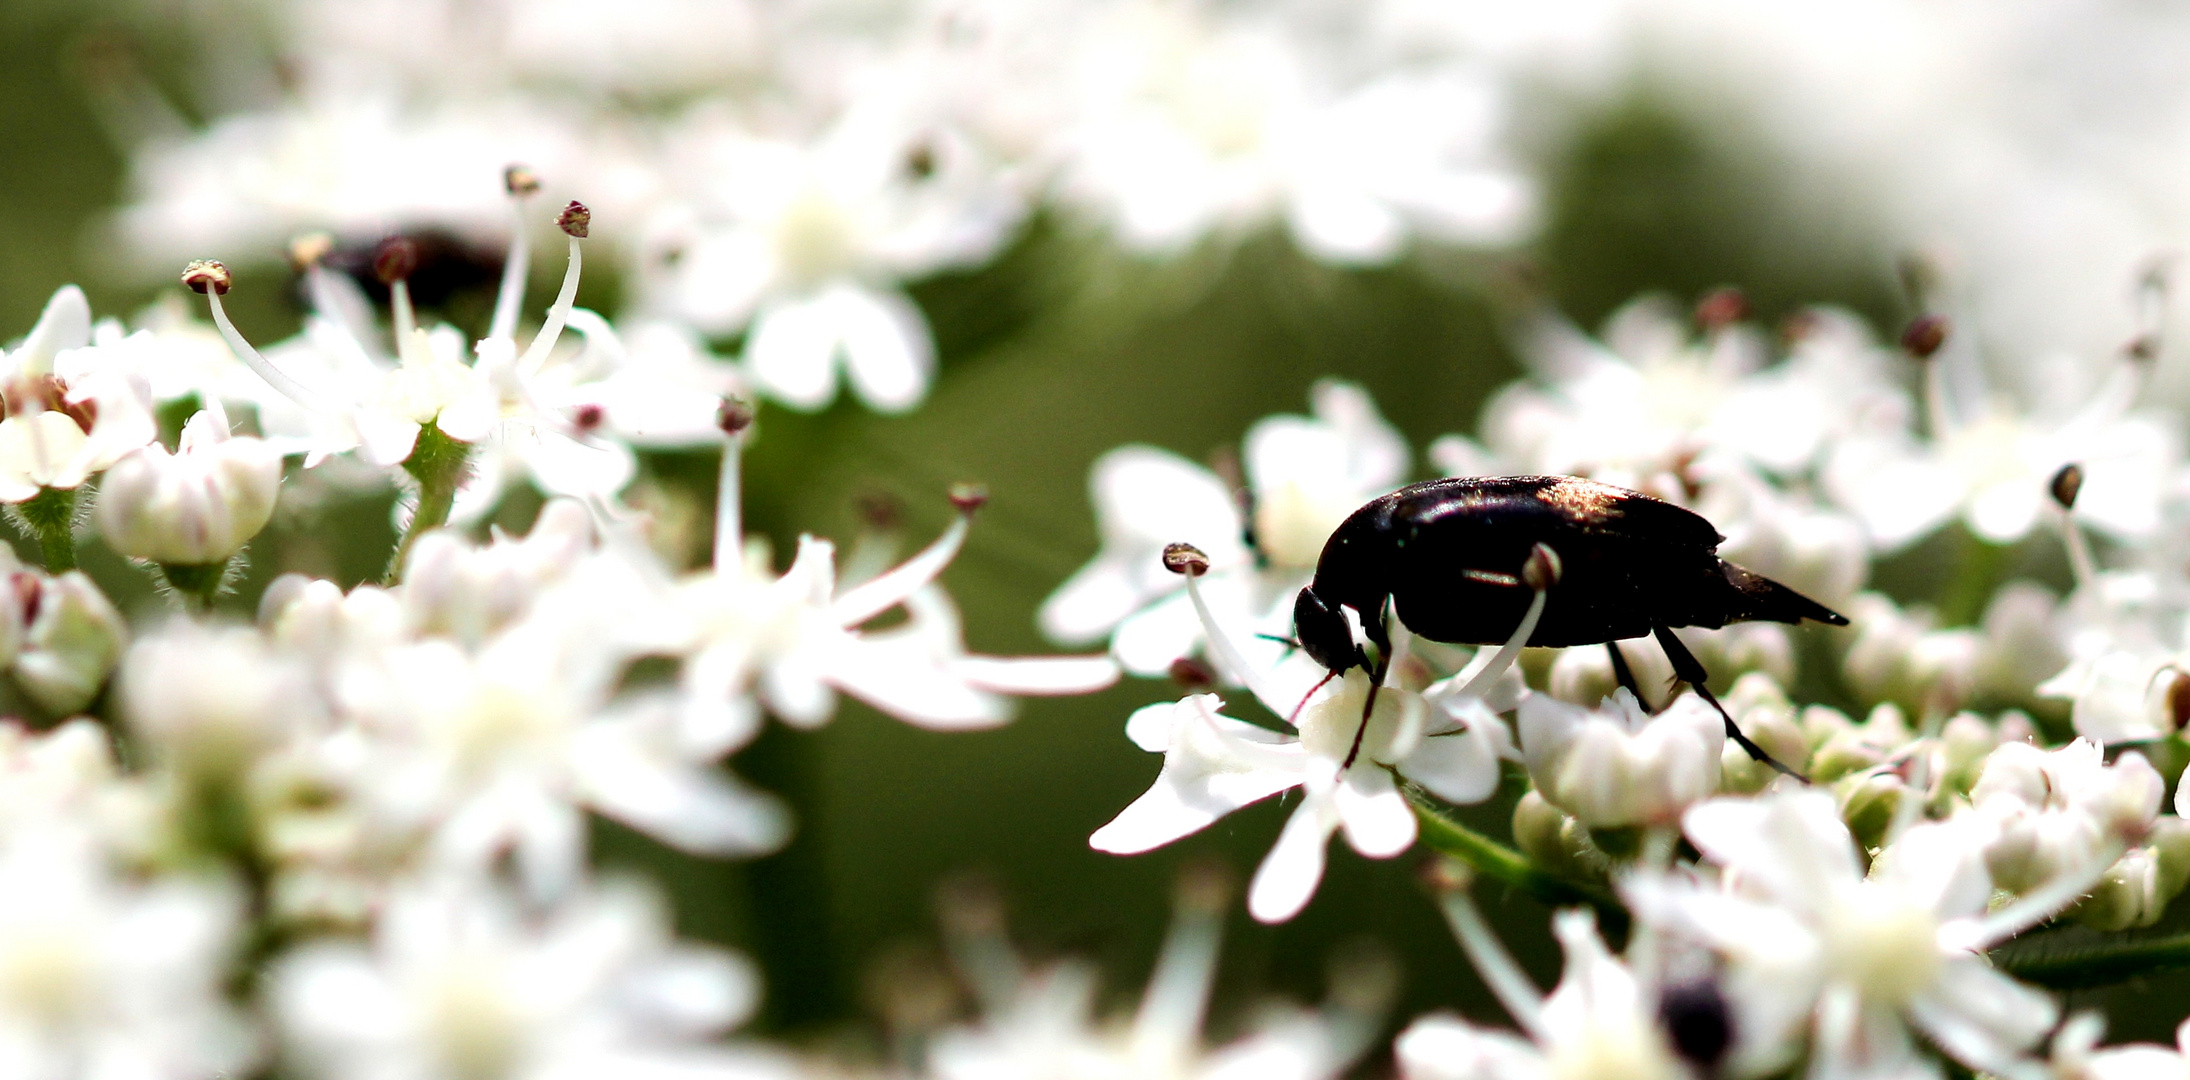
(1057, 352)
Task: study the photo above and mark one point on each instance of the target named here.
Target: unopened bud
(1542, 569)
(575, 220)
(1924, 336)
(1721, 308)
(734, 415)
(520, 181)
(2066, 484)
(969, 497)
(1185, 559)
(396, 259)
(207, 273)
(307, 250)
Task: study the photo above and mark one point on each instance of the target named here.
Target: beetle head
(1324, 633)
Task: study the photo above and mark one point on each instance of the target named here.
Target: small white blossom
(197, 506)
(1619, 765)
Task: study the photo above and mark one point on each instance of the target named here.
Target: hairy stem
(1502, 864)
(50, 515)
(437, 462)
(2096, 964)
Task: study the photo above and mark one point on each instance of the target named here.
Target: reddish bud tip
(2066, 484)
(520, 181)
(1721, 308)
(396, 259)
(968, 497)
(575, 220)
(207, 274)
(1185, 559)
(1924, 336)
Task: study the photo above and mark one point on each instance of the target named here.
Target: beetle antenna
(1368, 709)
(1690, 670)
(1289, 643)
(1292, 718)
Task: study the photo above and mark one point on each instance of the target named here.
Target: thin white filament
(558, 313)
(1507, 982)
(511, 295)
(729, 524)
(259, 365)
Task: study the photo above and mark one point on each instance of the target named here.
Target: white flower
(1617, 764)
(796, 641)
(209, 701)
(1043, 1022)
(1600, 1022)
(1304, 475)
(1188, 121)
(1989, 464)
(70, 414)
(1866, 957)
(463, 982)
(2051, 808)
(104, 976)
(1446, 738)
(198, 506)
(805, 244)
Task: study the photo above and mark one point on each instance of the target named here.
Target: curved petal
(791, 353)
(888, 350)
(1288, 876)
(1378, 822)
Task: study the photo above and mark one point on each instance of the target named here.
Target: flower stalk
(50, 516)
(437, 462)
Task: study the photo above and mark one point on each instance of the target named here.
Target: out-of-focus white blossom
(1304, 474)
(70, 413)
(72, 638)
(460, 980)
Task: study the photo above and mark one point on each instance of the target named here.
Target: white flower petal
(1377, 819)
(1288, 876)
(888, 351)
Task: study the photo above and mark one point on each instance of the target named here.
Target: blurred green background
(1060, 350)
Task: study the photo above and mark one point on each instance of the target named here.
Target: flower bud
(1762, 711)
(1869, 802)
(1617, 765)
(1555, 841)
(72, 641)
(197, 507)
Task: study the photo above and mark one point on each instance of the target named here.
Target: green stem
(197, 584)
(51, 516)
(1500, 863)
(2099, 964)
(1977, 566)
(437, 463)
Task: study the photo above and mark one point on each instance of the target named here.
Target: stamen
(1228, 656)
(576, 222)
(734, 417)
(1544, 563)
(2065, 486)
(521, 184)
(1507, 982)
(867, 600)
(212, 279)
(1925, 336)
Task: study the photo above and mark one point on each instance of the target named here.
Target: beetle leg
(1690, 670)
(1626, 675)
(1368, 709)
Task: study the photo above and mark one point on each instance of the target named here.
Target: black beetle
(1448, 556)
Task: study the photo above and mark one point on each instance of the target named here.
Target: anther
(1721, 308)
(734, 415)
(396, 259)
(588, 417)
(1925, 335)
(575, 220)
(1445, 876)
(1185, 559)
(1191, 673)
(968, 497)
(2178, 699)
(520, 181)
(1542, 569)
(207, 273)
(1698, 1022)
(307, 250)
(1205, 887)
(2066, 484)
